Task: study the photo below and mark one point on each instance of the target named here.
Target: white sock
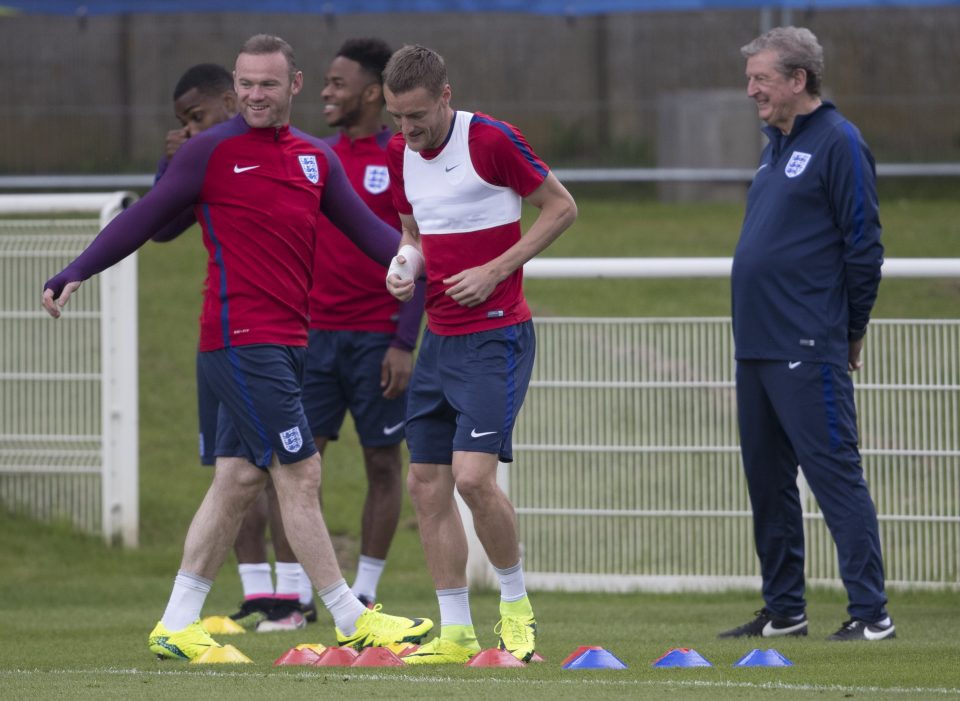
(512, 587)
(256, 580)
(189, 592)
(288, 580)
(306, 588)
(454, 607)
(369, 570)
(884, 623)
(343, 605)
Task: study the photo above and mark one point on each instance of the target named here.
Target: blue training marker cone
(763, 658)
(595, 658)
(682, 657)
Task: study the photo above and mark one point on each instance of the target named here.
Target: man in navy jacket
(805, 277)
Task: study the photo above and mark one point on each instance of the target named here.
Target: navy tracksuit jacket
(805, 277)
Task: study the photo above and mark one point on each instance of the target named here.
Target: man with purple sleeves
(257, 187)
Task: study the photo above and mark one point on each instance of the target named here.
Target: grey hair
(796, 47)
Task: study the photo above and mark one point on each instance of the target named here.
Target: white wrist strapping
(411, 268)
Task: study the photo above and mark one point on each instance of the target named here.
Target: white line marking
(520, 681)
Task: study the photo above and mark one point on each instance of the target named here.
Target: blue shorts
(343, 372)
(466, 392)
(207, 408)
(260, 412)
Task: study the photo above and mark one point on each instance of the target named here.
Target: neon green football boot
(376, 629)
(517, 629)
(184, 644)
(442, 651)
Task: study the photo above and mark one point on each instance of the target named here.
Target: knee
(419, 488)
(427, 493)
(300, 478)
(384, 466)
(240, 473)
(475, 488)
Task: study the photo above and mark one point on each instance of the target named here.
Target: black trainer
(367, 601)
(286, 614)
(253, 611)
(309, 611)
(855, 629)
(767, 625)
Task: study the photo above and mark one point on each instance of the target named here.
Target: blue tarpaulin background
(545, 7)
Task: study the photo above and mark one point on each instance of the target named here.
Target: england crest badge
(291, 438)
(797, 163)
(310, 169)
(376, 179)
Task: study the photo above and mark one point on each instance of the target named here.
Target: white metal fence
(627, 471)
(565, 175)
(68, 388)
(627, 468)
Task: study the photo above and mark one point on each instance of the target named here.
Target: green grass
(624, 228)
(74, 614)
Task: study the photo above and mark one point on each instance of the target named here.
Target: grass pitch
(74, 614)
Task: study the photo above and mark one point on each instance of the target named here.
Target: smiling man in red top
(458, 181)
(257, 187)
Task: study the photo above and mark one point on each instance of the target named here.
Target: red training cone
(293, 656)
(494, 657)
(378, 657)
(337, 657)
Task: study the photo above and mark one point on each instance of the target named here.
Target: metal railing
(140, 181)
(68, 389)
(627, 470)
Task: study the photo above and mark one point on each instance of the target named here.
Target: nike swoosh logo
(474, 434)
(770, 632)
(794, 365)
(870, 635)
(390, 430)
(238, 169)
(449, 168)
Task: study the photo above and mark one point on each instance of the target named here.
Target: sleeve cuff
(401, 344)
(856, 334)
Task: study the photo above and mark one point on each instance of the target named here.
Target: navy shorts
(207, 408)
(343, 372)
(260, 413)
(466, 392)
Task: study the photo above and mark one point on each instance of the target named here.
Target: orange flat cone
(337, 657)
(537, 658)
(378, 657)
(227, 654)
(494, 658)
(295, 656)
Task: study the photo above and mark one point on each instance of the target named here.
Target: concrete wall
(93, 95)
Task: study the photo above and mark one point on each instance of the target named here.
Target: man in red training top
(258, 187)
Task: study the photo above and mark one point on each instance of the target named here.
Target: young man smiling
(258, 187)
